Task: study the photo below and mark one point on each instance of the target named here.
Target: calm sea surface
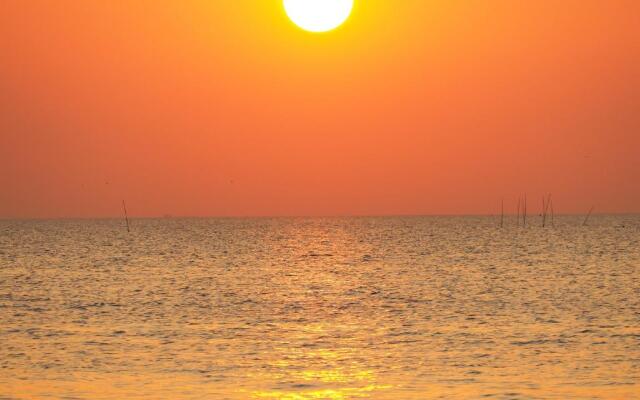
(335, 308)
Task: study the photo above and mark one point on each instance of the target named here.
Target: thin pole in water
(586, 219)
(544, 211)
(126, 217)
(502, 213)
(518, 212)
(524, 212)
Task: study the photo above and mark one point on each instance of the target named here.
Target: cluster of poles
(548, 214)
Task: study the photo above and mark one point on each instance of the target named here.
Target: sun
(318, 15)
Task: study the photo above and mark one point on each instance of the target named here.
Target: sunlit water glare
(335, 308)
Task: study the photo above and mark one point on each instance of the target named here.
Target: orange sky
(223, 107)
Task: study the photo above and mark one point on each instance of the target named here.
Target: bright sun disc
(318, 15)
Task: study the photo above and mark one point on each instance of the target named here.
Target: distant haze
(223, 108)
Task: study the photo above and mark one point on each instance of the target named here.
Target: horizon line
(283, 216)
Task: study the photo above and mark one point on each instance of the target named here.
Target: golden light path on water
(356, 382)
(334, 308)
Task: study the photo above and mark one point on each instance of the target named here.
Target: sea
(321, 308)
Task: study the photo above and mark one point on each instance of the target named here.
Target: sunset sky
(226, 108)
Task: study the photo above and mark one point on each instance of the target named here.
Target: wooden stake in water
(544, 211)
(126, 217)
(518, 212)
(553, 214)
(524, 212)
(502, 214)
(586, 219)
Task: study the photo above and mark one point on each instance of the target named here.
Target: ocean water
(326, 308)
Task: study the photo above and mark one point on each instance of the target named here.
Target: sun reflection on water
(320, 373)
(337, 394)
